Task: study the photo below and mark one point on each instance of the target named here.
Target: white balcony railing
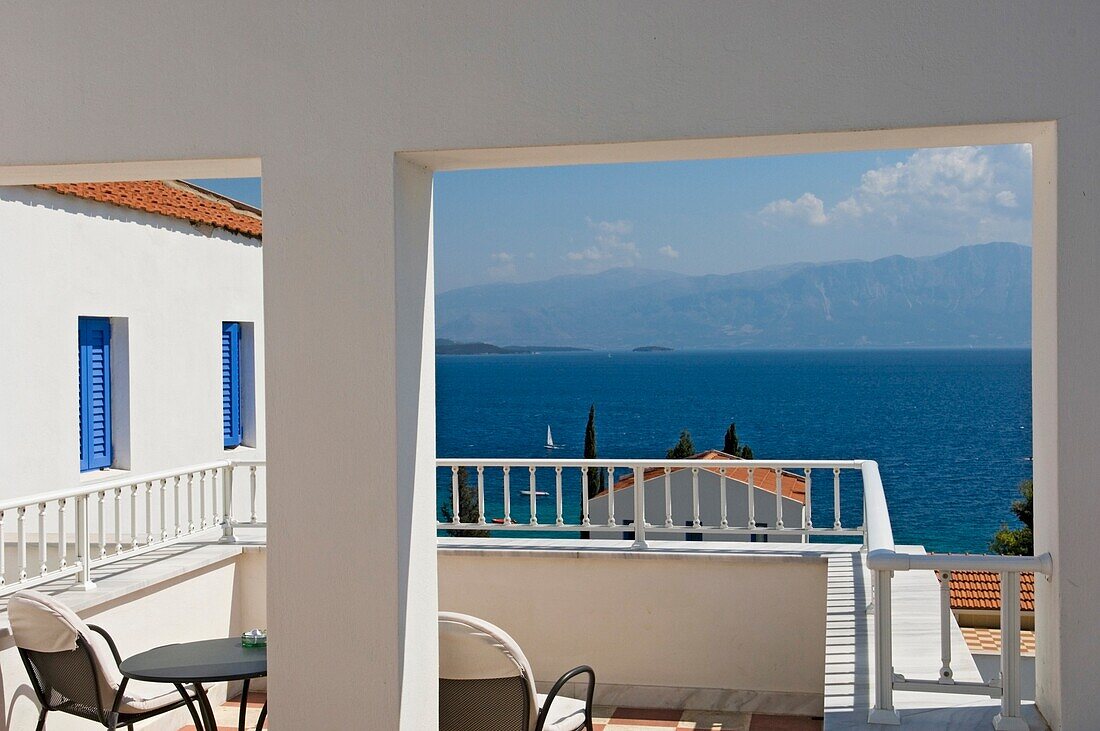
(116, 519)
(753, 474)
(883, 558)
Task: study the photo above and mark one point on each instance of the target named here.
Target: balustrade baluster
(808, 521)
(21, 548)
(531, 494)
(177, 529)
(202, 500)
(455, 517)
(695, 523)
(945, 627)
(481, 494)
(102, 524)
(164, 510)
(507, 495)
(557, 488)
(836, 498)
(252, 494)
(668, 497)
(42, 568)
(722, 478)
(215, 519)
(148, 513)
(118, 520)
(133, 516)
(190, 502)
(62, 536)
(779, 498)
(584, 497)
(752, 500)
(611, 495)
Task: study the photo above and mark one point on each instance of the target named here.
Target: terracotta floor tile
(761, 722)
(714, 721)
(655, 717)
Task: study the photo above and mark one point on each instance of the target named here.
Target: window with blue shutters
(94, 359)
(232, 426)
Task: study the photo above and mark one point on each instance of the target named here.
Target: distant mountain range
(444, 346)
(976, 295)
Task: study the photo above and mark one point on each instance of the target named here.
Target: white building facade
(702, 486)
(116, 320)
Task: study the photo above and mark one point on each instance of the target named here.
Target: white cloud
(970, 189)
(505, 267)
(620, 227)
(807, 208)
(668, 251)
(609, 249)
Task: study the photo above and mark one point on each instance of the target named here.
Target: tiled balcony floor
(652, 719)
(606, 719)
(228, 714)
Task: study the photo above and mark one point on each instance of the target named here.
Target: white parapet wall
(177, 594)
(673, 626)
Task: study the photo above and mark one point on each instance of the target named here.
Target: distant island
(652, 349)
(444, 346)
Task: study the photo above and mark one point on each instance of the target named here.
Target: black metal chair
(73, 667)
(486, 683)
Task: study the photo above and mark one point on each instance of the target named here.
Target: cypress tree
(684, 448)
(467, 508)
(595, 477)
(730, 444)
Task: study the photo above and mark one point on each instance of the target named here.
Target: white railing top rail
(126, 480)
(773, 464)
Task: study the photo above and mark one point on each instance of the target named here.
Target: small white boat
(550, 439)
(538, 493)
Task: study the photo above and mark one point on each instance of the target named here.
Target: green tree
(1018, 541)
(684, 448)
(467, 508)
(732, 445)
(595, 477)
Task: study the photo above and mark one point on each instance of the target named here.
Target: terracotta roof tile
(170, 198)
(981, 590)
(794, 486)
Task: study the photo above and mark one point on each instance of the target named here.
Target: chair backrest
(71, 666)
(485, 682)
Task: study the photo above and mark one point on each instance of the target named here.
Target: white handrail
(884, 559)
(138, 490)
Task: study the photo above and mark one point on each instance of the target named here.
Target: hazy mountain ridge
(974, 295)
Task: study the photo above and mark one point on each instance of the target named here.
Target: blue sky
(719, 216)
(722, 216)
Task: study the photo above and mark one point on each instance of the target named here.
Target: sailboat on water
(549, 445)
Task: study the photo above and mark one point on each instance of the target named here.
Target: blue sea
(950, 429)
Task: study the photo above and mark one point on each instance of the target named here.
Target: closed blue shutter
(232, 430)
(94, 340)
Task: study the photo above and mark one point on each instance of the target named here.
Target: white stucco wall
(326, 95)
(710, 506)
(168, 286)
(669, 630)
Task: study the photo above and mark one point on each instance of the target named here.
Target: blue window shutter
(94, 342)
(232, 428)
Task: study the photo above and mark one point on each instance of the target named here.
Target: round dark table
(195, 663)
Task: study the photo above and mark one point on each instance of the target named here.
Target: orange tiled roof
(794, 486)
(170, 198)
(981, 590)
